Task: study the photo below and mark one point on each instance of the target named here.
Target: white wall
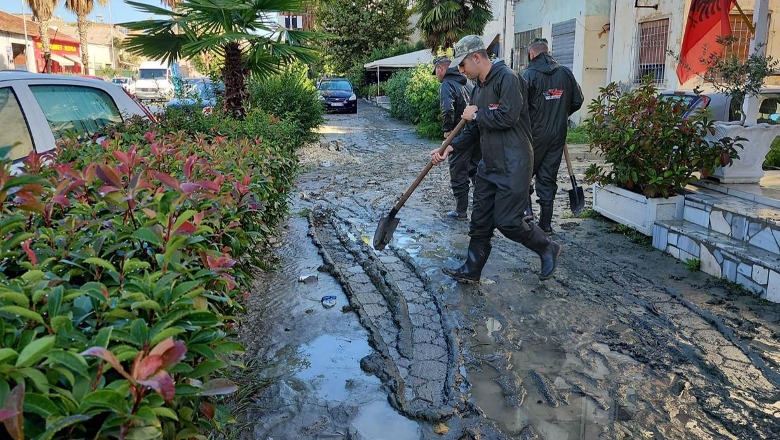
(6, 62)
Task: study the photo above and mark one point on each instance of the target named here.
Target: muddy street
(623, 342)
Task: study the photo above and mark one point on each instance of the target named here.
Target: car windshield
(335, 85)
(119, 80)
(152, 73)
(686, 99)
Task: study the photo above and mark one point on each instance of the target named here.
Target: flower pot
(635, 210)
(746, 169)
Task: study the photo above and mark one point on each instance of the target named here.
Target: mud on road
(623, 342)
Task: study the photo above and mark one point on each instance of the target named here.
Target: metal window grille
(741, 47)
(652, 43)
(522, 41)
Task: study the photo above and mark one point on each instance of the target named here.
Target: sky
(118, 12)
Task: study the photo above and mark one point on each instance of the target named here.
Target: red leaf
(106, 355)
(189, 187)
(171, 352)
(108, 175)
(186, 228)
(188, 165)
(6, 414)
(162, 383)
(61, 200)
(166, 179)
(207, 409)
(209, 185)
(148, 366)
(149, 136)
(29, 251)
(14, 403)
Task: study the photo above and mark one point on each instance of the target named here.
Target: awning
(74, 58)
(62, 61)
(405, 61)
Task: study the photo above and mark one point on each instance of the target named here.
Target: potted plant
(653, 151)
(740, 79)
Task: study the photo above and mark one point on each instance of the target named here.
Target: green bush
(122, 270)
(400, 105)
(290, 96)
(650, 148)
(772, 161)
(578, 135)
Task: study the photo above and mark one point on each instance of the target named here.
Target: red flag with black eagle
(707, 20)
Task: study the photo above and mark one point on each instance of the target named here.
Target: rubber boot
(471, 270)
(461, 206)
(547, 250)
(545, 217)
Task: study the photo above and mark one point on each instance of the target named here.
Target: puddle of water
(377, 421)
(331, 362)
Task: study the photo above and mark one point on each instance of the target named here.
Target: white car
(37, 109)
(126, 83)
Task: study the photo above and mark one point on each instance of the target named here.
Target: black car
(338, 95)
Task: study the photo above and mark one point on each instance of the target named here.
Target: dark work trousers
(463, 168)
(547, 161)
(500, 200)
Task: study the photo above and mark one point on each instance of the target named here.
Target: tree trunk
(234, 75)
(83, 25)
(46, 42)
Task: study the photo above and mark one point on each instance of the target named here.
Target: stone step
(721, 256)
(743, 220)
(765, 193)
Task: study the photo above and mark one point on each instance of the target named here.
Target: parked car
(126, 83)
(37, 109)
(337, 95)
(157, 80)
(200, 92)
(723, 108)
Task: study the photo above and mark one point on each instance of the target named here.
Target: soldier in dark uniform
(498, 120)
(553, 95)
(454, 95)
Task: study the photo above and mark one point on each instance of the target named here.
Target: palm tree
(443, 22)
(82, 8)
(242, 31)
(42, 11)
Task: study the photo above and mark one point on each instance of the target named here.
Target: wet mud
(623, 342)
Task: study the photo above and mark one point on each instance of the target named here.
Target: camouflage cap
(466, 46)
(439, 60)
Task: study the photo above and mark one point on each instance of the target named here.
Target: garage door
(563, 42)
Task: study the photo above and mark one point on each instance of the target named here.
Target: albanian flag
(707, 20)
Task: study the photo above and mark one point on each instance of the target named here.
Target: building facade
(23, 48)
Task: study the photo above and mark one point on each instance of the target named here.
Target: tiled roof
(15, 25)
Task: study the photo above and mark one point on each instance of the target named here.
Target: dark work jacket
(454, 93)
(553, 95)
(502, 128)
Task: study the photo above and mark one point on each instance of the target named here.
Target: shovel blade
(576, 200)
(384, 232)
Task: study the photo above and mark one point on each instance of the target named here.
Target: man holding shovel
(454, 95)
(553, 95)
(498, 116)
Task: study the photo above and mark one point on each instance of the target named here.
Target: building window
(522, 40)
(295, 22)
(652, 43)
(740, 30)
(287, 21)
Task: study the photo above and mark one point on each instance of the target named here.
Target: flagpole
(111, 34)
(757, 47)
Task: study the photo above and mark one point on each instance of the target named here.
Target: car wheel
(354, 111)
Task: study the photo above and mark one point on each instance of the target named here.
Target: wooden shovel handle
(568, 159)
(428, 167)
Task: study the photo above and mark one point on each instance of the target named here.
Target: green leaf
(148, 304)
(166, 333)
(24, 313)
(55, 301)
(70, 360)
(147, 235)
(144, 433)
(59, 424)
(41, 405)
(101, 262)
(17, 298)
(38, 379)
(165, 412)
(105, 398)
(139, 332)
(7, 354)
(35, 351)
(207, 367)
(229, 347)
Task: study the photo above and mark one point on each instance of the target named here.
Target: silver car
(723, 108)
(37, 109)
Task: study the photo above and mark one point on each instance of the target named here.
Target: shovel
(576, 196)
(388, 223)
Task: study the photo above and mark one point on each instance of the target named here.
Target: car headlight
(353, 97)
(320, 98)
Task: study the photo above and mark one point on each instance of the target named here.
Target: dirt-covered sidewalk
(623, 342)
